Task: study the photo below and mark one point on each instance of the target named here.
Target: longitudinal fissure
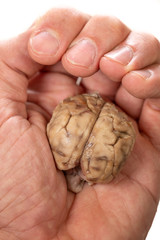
(95, 142)
(90, 110)
(91, 133)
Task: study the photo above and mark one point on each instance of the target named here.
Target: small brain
(90, 140)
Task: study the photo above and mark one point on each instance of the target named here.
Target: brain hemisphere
(90, 138)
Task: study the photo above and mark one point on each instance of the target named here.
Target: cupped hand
(38, 69)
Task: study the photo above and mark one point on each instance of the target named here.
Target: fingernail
(45, 43)
(154, 103)
(145, 74)
(82, 53)
(122, 55)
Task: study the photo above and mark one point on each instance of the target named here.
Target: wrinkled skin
(34, 201)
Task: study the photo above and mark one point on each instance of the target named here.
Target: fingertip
(81, 58)
(112, 69)
(130, 104)
(44, 45)
(140, 84)
(132, 83)
(47, 43)
(84, 56)
(77, 70)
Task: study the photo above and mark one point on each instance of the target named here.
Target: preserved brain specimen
(90, 139)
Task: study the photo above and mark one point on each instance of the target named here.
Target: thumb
(25, 55)
(14, 53)
(16, 67)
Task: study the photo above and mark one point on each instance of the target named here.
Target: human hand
(35, 203)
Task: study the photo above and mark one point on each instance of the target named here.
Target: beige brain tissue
(90, 140)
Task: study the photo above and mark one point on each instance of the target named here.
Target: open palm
(34, 201)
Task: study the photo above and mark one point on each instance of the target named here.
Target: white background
(140, 15)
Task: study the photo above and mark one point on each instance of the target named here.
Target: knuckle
(153, 44)
(141, 41)
(117, 26)
(109, 25)
(61, 16)
(112, 22)
(154, 41)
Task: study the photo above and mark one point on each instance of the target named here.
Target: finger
(135, 52)
(53, 33)
(57, 67)
(130, 104)
(98, 36)
(37, 115)
(144, 83)
(150, 121)
(99, 83)
(48, 89)
(18, 54)
(16, 68)
(17, 65)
